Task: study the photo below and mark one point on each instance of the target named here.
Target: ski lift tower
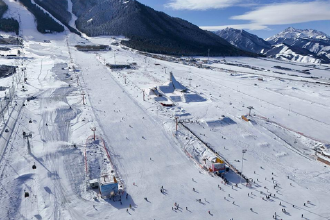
(93, 129)
(243, 152)
(250, 109)
(27, 136)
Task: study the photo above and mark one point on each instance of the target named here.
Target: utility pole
(143, 95)
(10, 96)
(2, 111)
(83, 94)
(41, 67)
(7, 103)
(176, 124)
(25, 76)
(208, 55)
(243, 152)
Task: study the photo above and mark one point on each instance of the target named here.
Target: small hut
(108, 186)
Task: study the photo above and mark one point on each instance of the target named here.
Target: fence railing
(232, 167)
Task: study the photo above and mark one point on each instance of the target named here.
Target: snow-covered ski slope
(290, 118)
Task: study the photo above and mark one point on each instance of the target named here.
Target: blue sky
(261, 17)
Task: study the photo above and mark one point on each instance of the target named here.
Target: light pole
(176, 124)
(243, 152)
(83, 95)
(2, 111)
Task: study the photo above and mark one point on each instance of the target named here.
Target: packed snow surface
(72, 92)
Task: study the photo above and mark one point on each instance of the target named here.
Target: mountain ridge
(291, 32)
(244, 40)
(317, 42)
(149, 30)
(306, 45)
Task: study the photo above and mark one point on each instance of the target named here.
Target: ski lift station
(108, 186)
(214, 164)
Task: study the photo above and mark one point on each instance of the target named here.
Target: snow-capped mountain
(290, 53)
(244, 40)
(295, 34)
(309, 46)
(315, 41)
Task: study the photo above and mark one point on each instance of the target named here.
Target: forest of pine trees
(59, 10)
(45, 23)
(7, 24)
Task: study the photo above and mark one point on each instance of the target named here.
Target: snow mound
(176, 98)
(220, 122)
(166, 88)
(264, 144)
(191, 97)
(281, 154)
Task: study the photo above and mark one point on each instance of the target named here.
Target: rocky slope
(244, 40)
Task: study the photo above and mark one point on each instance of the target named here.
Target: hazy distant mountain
(317, 42)
(148, 30)
(244, 40)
